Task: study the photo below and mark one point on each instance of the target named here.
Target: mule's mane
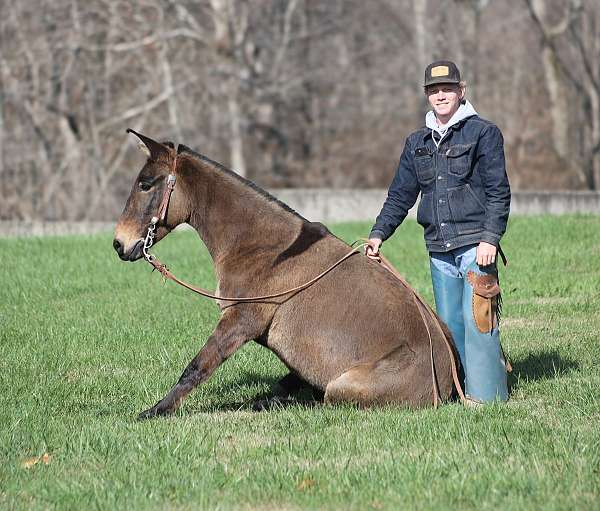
(182, 149)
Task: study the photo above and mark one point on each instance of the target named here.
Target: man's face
(445, 99)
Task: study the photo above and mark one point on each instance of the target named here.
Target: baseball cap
(441, 71)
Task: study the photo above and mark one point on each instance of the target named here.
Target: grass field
(89, 341)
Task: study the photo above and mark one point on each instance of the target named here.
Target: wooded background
(297, 93)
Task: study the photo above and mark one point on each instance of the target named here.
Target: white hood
(464, 110)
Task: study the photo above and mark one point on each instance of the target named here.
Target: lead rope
(421, 304)
(166, 273)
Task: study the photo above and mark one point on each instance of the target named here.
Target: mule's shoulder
(318, 227)
(309, 234)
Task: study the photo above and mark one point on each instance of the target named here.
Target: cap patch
(439, 71)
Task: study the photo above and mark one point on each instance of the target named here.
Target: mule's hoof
(150, 413)
(147, 414)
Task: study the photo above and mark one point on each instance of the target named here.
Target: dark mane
(182, 149)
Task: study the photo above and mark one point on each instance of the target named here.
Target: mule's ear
(155, 149)
(144, 148)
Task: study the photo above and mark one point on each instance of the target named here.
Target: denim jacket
(465, 195)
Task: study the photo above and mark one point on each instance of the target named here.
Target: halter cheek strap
(164, 204)
(161, 215)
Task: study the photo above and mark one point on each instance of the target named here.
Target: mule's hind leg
(399, 377)
(290, 384)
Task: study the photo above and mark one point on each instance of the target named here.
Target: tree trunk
(228, 31)
(420, 9)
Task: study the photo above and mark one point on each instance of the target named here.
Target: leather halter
(162, 213)
(423, 308)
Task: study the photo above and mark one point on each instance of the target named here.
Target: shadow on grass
(257, 405)
(540, 366)
(306, 397)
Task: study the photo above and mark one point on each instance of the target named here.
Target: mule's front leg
(231, 333)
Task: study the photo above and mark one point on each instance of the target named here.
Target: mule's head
(145, 198)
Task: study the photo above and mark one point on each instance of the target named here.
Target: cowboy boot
(448, 292)
(485, 371)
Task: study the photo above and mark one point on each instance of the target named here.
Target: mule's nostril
(118, 246)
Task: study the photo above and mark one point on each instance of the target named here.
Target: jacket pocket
(425, 169)
(426, 216)
(468, 213)
(470, 190)
(459, 159)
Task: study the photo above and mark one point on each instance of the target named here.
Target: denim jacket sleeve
(492, 170)
(402, 195)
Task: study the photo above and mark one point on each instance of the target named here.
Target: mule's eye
(144, 186)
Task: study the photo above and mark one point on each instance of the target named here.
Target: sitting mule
(356, 334)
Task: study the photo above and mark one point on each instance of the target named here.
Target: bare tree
(295, 93)
(571, 49)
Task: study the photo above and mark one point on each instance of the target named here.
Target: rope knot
(161, 268)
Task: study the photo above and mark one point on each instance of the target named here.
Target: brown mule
(355, 334)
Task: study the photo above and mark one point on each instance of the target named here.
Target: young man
(456, 163)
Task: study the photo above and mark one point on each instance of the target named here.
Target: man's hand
(372, 249)
(486, 253)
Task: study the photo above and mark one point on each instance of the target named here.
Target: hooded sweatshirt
(464, 110)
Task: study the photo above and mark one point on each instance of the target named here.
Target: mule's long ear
(155, 148)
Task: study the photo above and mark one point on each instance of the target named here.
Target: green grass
(88, 342)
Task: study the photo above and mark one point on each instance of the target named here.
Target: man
(456, 163)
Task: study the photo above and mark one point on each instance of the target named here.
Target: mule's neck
(233, 218)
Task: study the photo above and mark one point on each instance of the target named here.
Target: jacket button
(448, 244)
(440, 177)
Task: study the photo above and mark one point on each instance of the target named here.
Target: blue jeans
(482, 363)
(454, 263)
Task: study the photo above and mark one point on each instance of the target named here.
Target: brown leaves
(306, 484)
(30, 462)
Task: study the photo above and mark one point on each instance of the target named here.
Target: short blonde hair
(461, 85)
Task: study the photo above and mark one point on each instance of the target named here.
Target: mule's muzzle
(132, 254)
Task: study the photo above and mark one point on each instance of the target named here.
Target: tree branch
(145, 41)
